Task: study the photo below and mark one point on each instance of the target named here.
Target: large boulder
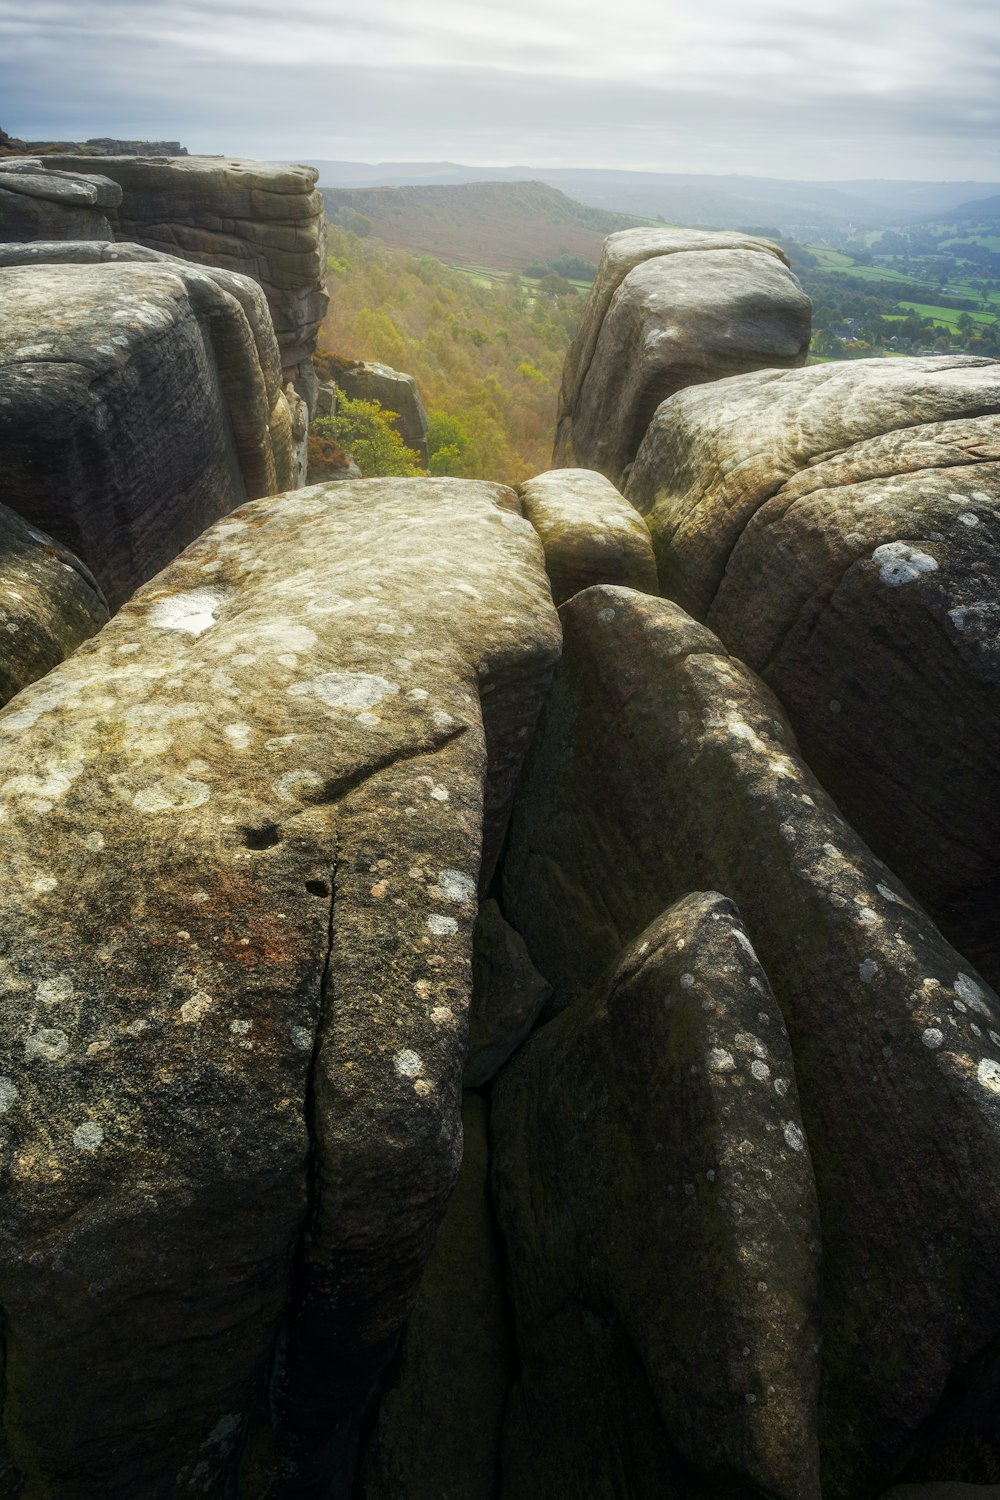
(663, 765)
(590, 532)
(243, 831)
(839, 528)
(49, 604)
(37, 203)
(394, 390)
(266, 222)
(142, 400)
(437, 1430)
(671, 308)
(659, 1221)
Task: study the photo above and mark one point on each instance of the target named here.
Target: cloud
(810, 88)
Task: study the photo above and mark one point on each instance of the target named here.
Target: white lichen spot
(932, 1037)
(358, 690)
(418, 695)
(781, 1087)
(8, 1093)
(238, 735)
(988, 1074)
(441, 720)
(687, 980)
(455, 885)
(604, 615)
(440, 793)
(867, 915)
(760, 1070)
(302, 1038)
(408, 1064)
(888, 894)
(88, 1136)
(899, 563)
(192, 612)
(967, 988)
(370, 720)
(794, 1137)
(171, 794)
(195, 1009)
(867, 970)
(969, 518)
(442, 1015)
(994, 1038)
(240, 1028)
(423, 1087)
(835, 705)
(721, 1061)
(54, 990)
(295, 786)
(49, 1044)
(442, 926)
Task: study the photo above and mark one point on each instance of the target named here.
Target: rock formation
(265, 222)
(142, 399)
(244, 830)
(392, 389)
(37, 203)
(839, 528)
(664, 766)
(49, 604)
(671, 308)
(591, 534)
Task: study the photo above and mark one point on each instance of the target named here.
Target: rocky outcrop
(839, 528)
(142, 401)
(243, 834)
(39, 204)
(265, 222)
(590, 532)
(49, 604)
(648, 1138)
(96, 146)
(671, 308)
(438, 1426)
(662, 766)
(392, 389)
(508, 995)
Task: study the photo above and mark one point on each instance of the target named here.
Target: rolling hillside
(504, 225)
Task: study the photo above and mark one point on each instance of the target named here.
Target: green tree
(364, 429)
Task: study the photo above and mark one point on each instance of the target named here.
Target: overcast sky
(783, 88)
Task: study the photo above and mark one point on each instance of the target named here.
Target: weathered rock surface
(37, 203)
(508, 994)
(839, 528)
(142, 400)
(590, 532)
(266, 222)
(439, 1422)
(393, 390)
(655, 1192)
(663, 765)
(243, 830)
(671, 308)
(49, 604)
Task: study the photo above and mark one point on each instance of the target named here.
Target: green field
(948, 316)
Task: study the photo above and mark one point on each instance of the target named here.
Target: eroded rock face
(142, 401)
(394, 391)
(663, 765)
(659, 1218)
(37, 203)
(265, 222)
(508, 995)
(671, 308)
(49, 604)
(439, 1422)
(839, 528)
(590, 532)
(243, 831)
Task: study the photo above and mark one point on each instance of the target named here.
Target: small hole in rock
(317, 888)
(264, 837)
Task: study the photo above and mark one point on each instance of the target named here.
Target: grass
(947, 316)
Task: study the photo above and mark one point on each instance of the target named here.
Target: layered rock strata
(839, 528)
(265, 222)
(590, 532)
(49, 604)
(243, 834)
(37, 203)
(662, 766)
(671, 308)
(142, 401)
(659, 1220)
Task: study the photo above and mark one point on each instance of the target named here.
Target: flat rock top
(225, 170)
(35, 179)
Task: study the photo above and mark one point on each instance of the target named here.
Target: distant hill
(723, 202)
(505, 225)
(981, 211)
